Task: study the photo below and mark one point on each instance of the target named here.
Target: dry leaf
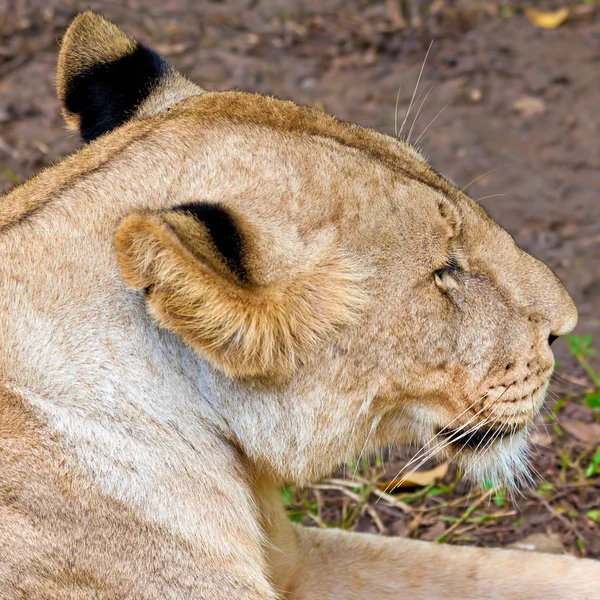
(585, 432)
(541, 439)
(547, 20)
(418, 478)
(529, 106)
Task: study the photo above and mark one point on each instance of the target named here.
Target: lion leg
(336, 565)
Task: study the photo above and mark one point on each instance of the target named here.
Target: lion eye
(452, 266)
(444, 277)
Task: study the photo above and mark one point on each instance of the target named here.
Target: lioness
(224, 292)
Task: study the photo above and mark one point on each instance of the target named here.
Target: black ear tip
(106, 95)
(224, 231)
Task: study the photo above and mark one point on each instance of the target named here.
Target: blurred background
(508, 104)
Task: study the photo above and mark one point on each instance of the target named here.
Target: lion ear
(106, 78)
(193, 264)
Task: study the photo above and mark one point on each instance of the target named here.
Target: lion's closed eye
(446, 277)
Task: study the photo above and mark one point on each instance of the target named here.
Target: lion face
(339, 293)
(474, 317)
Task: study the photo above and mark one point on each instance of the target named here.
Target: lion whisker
(488, 443)
(445, 428)
(431, 122)
(432, 452)
(483, 440)
(374, 424)
(435, 451)
(459, 434)
(415, 92)
(490, 196)
(473, 430)
(487, 419)
(481, 176)
(484, 422)
(396, 112)
(417, 115)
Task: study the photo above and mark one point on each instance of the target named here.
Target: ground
(519, 124)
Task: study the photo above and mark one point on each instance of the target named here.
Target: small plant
(594, 515)
(581, 349)
(594, 467)
(499, 494)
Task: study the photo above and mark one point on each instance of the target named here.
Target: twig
(376, 519)
(465, 515)
(339, 488)
(391, 500)
(317, 520)
(562, 519)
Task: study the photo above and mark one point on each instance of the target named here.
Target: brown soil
(523, 126)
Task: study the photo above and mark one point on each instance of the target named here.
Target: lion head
(338, 292)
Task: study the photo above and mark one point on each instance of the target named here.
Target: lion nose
(552, 301)
(551, 339)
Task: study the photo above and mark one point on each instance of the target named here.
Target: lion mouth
(475, 439)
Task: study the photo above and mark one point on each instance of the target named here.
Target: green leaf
(518, 522)
(579, 345)
(499, 498)
(296, 517)
(545, 489)
(439, 489)
(594, 467)
(574, 343)
(287, 496)
(594, 515)
(592, 399)
(481, 519)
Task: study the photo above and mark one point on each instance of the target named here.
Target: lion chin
(497, 462)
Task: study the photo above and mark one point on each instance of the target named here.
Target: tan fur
(144, 434)
(44, 507)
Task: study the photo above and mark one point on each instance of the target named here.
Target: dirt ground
(519, 123)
